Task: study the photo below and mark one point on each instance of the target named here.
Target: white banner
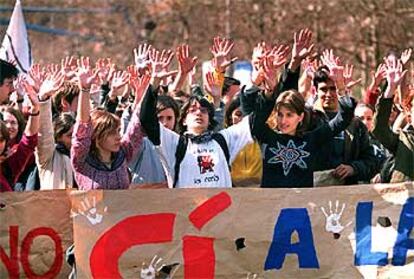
(16, 47)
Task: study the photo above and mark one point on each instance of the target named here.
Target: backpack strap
(179, 156)
(219, 138)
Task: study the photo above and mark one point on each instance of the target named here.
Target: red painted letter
(198, 252)
(199, 257)
(136, 230)
(27, 243)
(12, 262)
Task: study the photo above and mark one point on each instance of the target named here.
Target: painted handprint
(333, 219)
(90, 211)
(153, 268)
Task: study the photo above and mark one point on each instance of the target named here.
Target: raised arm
(371, 92)
(186, 64)
(85, 78)
(302, 47)
(269, 66)
(132, 138)
(148, 113)
(339, 75)
(221, 49)
(265, 103)
(32, 126)
(118, 85)
(403, 89)
(46, 145)
(81, 137)
(382, 131)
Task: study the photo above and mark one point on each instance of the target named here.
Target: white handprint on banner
(333, 219)
(90, 211)
(153, 268)
(158, 270)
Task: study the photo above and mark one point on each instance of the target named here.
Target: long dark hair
(20, 121)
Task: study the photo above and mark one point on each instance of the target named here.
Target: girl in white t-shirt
(198, 157)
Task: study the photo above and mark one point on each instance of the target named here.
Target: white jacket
(55, 170)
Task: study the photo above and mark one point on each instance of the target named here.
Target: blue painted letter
(405, 226)
(363, 255)
(290, 220)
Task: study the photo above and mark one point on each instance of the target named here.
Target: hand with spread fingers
(186, 63)
(213, 87)
(302, 47)
(85, 76)
(159, 62)
(349, 81)
(394, 75)
(141, 57)
(336, 70)
(51, 85)
(221, 54)
(106, 70)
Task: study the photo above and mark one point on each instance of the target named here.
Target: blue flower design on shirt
(289, 155)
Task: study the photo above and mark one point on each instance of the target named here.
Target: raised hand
(85, 76)
(167, 56)
(309, 68)
(51, 84)
(270, 69)
(348, 72)
(380, 74)
(221, 54)
(37, 75)
(394, 72)
(159, 63)
(69, 67)
(18, 85)
(213, 86)
(406, 55)
(140, 86)
(119, 80)
(336, 70)
(186, 63)
(302, 47)
(105, 69)
(259, 52)
(133, 71)
(141, 56)
(279, 54)
(31, 93)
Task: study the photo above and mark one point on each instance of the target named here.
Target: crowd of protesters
(78, 125)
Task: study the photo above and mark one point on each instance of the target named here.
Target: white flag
(16, 47)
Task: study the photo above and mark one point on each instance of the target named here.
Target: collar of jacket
(97, 164)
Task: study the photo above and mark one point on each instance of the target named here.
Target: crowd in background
(96, 126)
